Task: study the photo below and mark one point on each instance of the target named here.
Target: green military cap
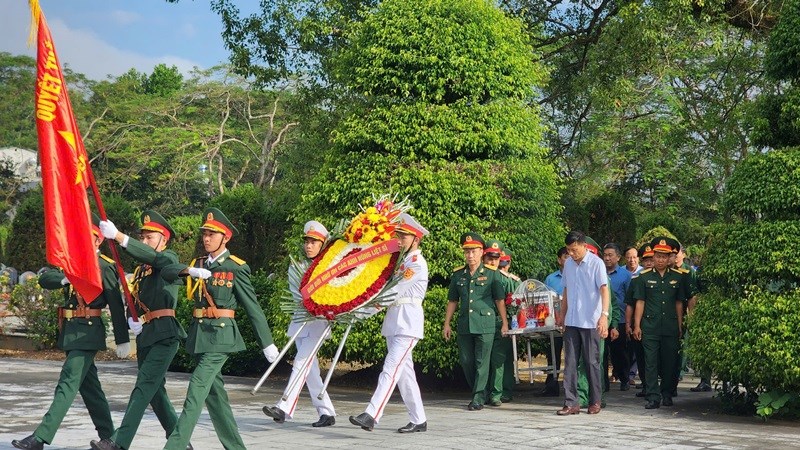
(662, 244)
(674, 243)
(471, 240)
(215, 220)
(493, 247)
(153, 221)
(646, 251)
(96, 225)
(593, 246)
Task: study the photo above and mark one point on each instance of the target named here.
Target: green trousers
(206, 386)
(583, 380)
(474, 354)
(153, 362)
(78, 374)
(661, 359)
(501, 369)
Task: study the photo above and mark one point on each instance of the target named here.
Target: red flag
(68, 231)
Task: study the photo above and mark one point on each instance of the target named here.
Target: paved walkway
(530, 421)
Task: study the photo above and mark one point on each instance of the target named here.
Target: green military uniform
(501, 378)
(81, 338)
(214, 334)
(646, 251)
(476, 294)
(158, 342)
(660, 296)
(501, 346)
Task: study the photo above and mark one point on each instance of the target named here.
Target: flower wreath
(353, 272)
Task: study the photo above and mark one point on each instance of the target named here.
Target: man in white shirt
(584, 313)
(403, 328)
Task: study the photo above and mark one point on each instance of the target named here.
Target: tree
(438, 112)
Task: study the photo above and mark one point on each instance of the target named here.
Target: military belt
(67, 313)
(151, 315)
(214, 313)
(407, 301)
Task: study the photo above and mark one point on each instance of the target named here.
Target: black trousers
(618, 355)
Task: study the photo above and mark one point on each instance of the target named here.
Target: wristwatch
(605, 313)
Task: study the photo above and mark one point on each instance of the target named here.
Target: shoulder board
(679, 270)
(645, 271)
(490, 267)
(237, 260)
(515, 278)
(107, 259)
(458, 268)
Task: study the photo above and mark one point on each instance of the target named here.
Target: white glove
(123, 350)
(135, 326)
(64, 281)
(108, 229)
(199, 272)
(271, 353)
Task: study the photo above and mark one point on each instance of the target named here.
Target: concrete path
(26, 388)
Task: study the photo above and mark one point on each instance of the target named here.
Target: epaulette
(458, 268)
(237, 260)
(107, 259)
(515, 278)
(490, 267)
(681, 270)
(645, 271)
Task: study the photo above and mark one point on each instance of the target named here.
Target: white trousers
(305, 370)
(398, 370)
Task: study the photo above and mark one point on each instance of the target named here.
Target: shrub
(186, 242)
(26, 245)
(38, 310)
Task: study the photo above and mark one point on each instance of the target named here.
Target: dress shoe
(651, 405)
(363, 420)
(474, 406)
(104, 444)
(701, 387)
(413, 428)
(276, 413)
(569, 410)
(495, 403)
(324, 421)
(506, 399)
(594, 409)
(29, 443)
(667, 401)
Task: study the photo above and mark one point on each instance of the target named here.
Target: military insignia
(673, 282)
(662, 242)
(494, 245)
(210, 216)
(408, 273)
(146, 218)
(230, 284)
(230, 276)
(481, 270)
(483, 278)
(414, 258)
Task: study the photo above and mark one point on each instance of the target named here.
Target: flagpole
(113, 245)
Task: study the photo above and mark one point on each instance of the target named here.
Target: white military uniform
(403, 328)
(306, 364)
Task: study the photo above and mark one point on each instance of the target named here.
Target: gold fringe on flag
(36, 12)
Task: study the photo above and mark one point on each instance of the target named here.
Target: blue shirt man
(554, 280)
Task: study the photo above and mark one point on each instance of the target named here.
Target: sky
(109, 37)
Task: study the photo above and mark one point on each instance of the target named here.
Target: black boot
(324, 421)
(104, 444)
(413, 428)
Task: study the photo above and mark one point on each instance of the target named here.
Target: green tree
(163, 81)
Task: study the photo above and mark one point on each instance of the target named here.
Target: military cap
(646, 251)
(675, 244)
(505, 256)
(315, 230)
(215, 220)
(493, 247)
(662, 244)
(153, 221)
(471, 240)
(409, 225)
(593, 246)
(96, 225)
